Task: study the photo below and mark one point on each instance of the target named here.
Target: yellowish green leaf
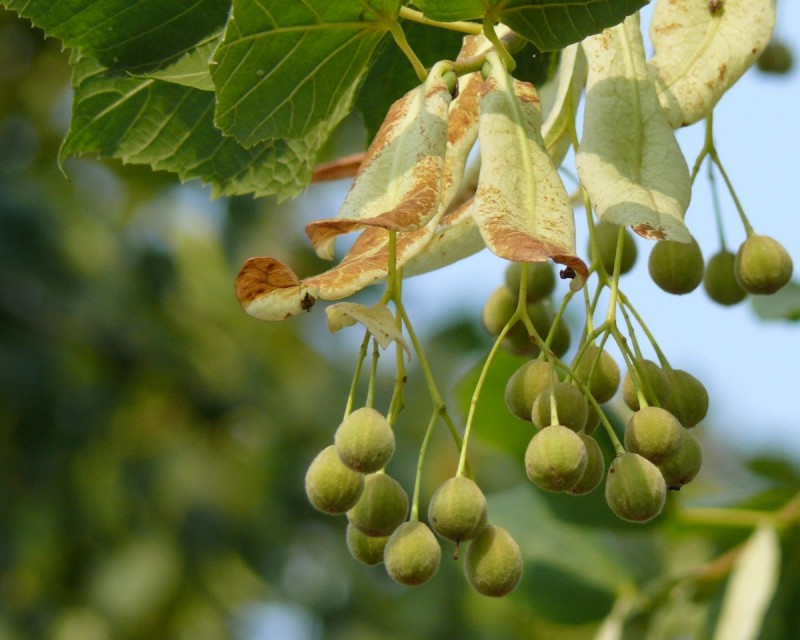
(521, 206)
(560, 102)
(628, 159)
(701, 51)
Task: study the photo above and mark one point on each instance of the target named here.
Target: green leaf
(191, 70)
(549, 24)
(554, 24)
(395, 76)
(782, 305)
(751, 587)
(284, 68)
(170, 127)
(135, 36)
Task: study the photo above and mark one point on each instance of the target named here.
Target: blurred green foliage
(153, 438)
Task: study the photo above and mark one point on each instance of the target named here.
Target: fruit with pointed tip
(457, 510)
(635, 488)
(570, 406)
(524, 385)
(556, 459)
(654, 434)
(676, 267)
(606, 235)
(763, 266)
(776, 58)
(412, 554)
(604, 372)
(364, 548)
(684, 466)
(720, 281)
(688, 398)
(653, 381)
(493, 562)
(332, 487)
(539, 282)
(365, 440)
(383, 505)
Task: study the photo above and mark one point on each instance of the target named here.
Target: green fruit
(604, 373)
(493, 562)
(592, 419)
(682, 468)
(635, 488)
(383, 505)
(364, 548)
(762, 265)
(654, 434)
(720, 281)
(570, 405)
(365, 440)
(524, 385)
(655, 385)
(541, 280)
(497, 310)
(676, 267)
(606, 238)
(556, 459)
(330, 486)
(688, 398)
(457, 510)
(412, 554)
(775, 58)
(595, 467)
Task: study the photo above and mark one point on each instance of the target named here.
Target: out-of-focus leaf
(628, 159)
(135, 36)
(284, 68)
(751, 587)
(521, 206)
(377, 319)
(398, 184)
(170, 127)
(700, 52)
(782, 305)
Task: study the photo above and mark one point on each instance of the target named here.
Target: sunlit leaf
(191, 70)
(628, 158)
(521, 206)
(283, 68)
(398, 184)
(751, 587)
(135, 36)
(170, 127)
(700, 51)
(377, 319)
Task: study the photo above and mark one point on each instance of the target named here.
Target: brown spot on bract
(262, 276)
(646, 231)
(723, 71)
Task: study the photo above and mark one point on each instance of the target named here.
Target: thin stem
(373, 375)
(747, 226)
(491, 36)
(362, 354)
(420, 465)
(463, 27)
(661, 357)
(400, 39)
(717, 209)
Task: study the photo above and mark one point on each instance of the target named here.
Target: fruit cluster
(349, 477)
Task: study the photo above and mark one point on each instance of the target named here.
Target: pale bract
(628, 158)
(700, 52)
(378, 320)
(521, 206)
